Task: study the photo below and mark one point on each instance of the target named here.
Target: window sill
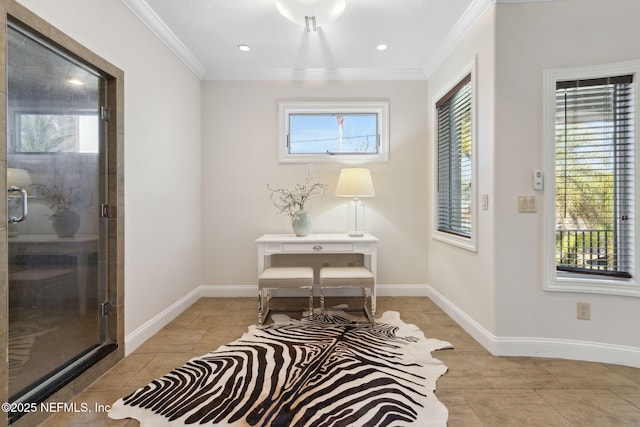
(467, 243)
(570, 282)
(332, 158)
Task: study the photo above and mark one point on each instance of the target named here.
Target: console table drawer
(317, 247)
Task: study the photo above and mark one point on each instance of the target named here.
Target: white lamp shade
(18, 178)
(355, 182)
(325, 11)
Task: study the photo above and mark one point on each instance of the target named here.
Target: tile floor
(479, 389)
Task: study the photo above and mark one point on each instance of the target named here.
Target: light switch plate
(485, 202)
(527, 204)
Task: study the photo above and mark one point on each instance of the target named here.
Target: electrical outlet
(584, 311)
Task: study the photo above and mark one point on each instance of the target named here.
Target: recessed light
(244, 47)
(382, 46)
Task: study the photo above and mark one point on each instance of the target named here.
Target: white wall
(497, 293)
(463, 277)
(530, 38)
(162, 152)
(240, 157)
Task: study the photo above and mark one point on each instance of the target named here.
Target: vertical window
(454, 206)
(594, 176)
(591, 123)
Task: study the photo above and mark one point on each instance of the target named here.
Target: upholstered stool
(349, 277)
(32, 282)
(283, 278)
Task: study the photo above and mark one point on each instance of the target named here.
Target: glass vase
(301, 223)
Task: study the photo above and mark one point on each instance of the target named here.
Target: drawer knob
(317, 248)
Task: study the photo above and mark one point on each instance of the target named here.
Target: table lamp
(355, 183)
(18, 178)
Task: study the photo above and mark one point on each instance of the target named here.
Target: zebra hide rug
(327, 372)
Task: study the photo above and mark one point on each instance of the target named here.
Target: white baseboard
(250, 291)
(146, 331)
(499, 346)
(570, 349)
(404, 290)
(225, 291)
(136, 338)
(538, 347)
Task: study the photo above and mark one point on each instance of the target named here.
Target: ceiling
(205, 35)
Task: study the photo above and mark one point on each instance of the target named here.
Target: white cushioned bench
(31, 282)
(350, 277)
(283, 278)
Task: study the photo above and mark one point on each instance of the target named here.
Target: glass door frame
(81, 376)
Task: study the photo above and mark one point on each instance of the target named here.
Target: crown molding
(468, 19)
(152, 21)
(473, 13)
(315, 74)
(523, 1)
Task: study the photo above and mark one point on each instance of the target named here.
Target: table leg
(82, 266)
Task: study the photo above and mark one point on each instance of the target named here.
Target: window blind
(454, 160)
(595, 176)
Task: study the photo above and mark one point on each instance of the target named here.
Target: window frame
(465, 242)
(561, 281)
(287, 108)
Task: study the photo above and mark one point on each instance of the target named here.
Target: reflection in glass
(55, 262)
(50, 133)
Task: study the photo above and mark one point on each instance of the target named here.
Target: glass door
(55, 173)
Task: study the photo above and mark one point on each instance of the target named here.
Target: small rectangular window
(335, 133)
(326, 132)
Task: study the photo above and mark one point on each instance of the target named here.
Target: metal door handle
(23, 216)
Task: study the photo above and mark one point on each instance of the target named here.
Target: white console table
(324, 243)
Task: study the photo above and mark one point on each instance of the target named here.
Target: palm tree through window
(594, 176)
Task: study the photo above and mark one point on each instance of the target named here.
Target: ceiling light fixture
(244, 47)
(310, 21)
(381, 47)
(312, 14)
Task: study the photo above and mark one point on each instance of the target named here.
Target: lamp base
(355, 212)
